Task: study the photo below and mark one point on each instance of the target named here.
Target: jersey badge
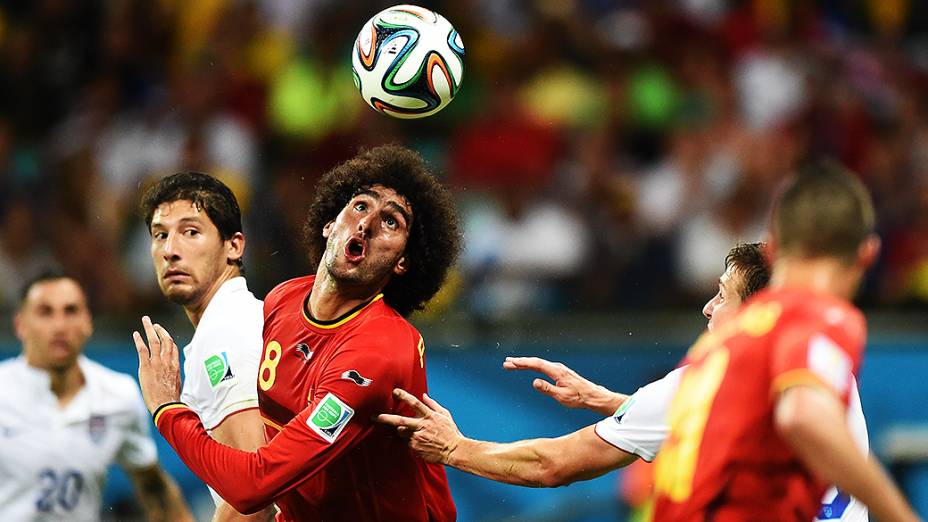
(330, 417)
(97, 428)
(304, 351)
(355, 377)
(218, 369)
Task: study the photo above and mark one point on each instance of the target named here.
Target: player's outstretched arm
(569, 388)
(813, 423)
(159, 495)
(435, 437)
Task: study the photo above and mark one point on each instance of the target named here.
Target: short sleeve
(639, 426)
(230, 382)
(138, 448)
(814, 354)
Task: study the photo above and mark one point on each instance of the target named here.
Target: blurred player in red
(384, 233)
(758, 425)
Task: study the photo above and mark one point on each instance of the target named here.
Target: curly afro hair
(434, 239)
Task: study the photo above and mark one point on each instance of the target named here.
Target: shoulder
(383, 325)
(118, 387)
(288, 287)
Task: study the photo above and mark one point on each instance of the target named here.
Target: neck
(196, 310)
(330, 300)
(820, 275)
(64, 383)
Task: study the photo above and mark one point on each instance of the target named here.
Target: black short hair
(823, 211)
(434, 238)
(748, 259)
(205, 192)
(46, 274)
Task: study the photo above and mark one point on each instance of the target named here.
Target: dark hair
(205, 192)
(434, 238)
(45, 275)
(823, 212)
(748, 260)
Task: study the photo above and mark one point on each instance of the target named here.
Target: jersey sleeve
(230, 375)
(812, 353)
(138, 449)
(639, 426)
(357, 383)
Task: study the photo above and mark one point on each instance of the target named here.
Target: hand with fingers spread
(432, 433)
(159, 366)
(569, 388)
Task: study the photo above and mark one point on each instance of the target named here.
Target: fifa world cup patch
(330, 417)
(218, 369)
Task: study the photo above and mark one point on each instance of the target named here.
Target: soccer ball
(408, 62)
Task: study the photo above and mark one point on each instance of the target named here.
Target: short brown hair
(748, 260)
(823, 211)
(434, 238)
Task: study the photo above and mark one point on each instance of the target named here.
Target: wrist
(458, 451)
(170, 405)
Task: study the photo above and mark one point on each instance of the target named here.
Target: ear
(327, 229)
(769, 250)
(401, 266)
(235, 247)
(868, 251)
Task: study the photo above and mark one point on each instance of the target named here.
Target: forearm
(226, 513)
(160, 498)
(604, 401)
(524, 463)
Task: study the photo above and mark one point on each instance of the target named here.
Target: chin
(179, 296)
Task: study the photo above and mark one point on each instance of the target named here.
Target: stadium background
(606, 154)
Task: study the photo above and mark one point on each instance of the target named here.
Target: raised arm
(434, 436)
(251, 481)
(569, 388)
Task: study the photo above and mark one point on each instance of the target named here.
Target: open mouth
(355, 250)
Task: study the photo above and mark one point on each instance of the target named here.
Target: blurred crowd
(606, 153)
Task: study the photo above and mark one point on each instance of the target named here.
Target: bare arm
(159, 495)
(569, 388)
(581, 455)
(243, 430)
(813, 422)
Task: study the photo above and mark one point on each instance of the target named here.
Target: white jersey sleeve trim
(639, 426)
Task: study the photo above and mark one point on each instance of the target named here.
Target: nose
(169, 248)
(366, 224)
(709, 307)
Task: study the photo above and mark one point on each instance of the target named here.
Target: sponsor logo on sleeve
(330, 417)
(829, 362)
(218, 369)
(355, 377)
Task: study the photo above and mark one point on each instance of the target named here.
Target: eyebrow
(390, 204)
(182, 221)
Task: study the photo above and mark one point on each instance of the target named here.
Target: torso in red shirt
(723, 459)
(334, 377)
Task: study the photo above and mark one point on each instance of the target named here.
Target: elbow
(551, 474)
(247, 502)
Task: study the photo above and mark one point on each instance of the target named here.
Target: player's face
(728, 299)
(53, 324)
(367, 240)
(188, 253)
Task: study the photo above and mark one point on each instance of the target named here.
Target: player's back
(723, 457)
(327, 381)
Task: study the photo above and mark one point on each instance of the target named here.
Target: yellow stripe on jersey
(272, 424)
(798, 377)
(329, 326)
(166, 407)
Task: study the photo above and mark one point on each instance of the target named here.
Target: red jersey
(723, 459)
(319, 385)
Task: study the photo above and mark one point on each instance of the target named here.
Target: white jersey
(639, 427)
(53, 461)
(221, 362)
